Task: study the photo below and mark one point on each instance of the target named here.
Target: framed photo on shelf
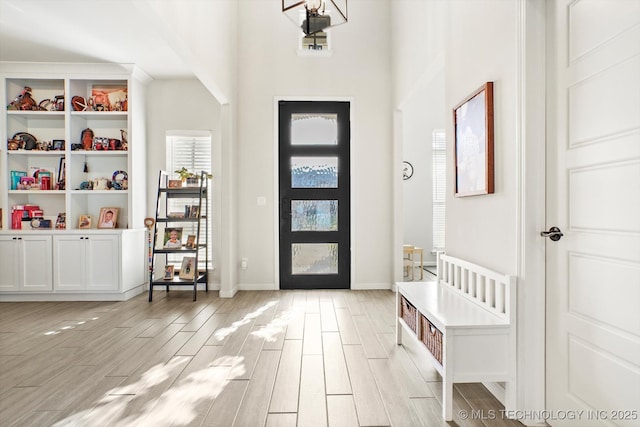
(473, 133)
(108, 218)
(174, 183)
(188, 268)
(194, 211)
(61, 221)
(172, 238)
(84, 221)
(191, 242)
(168, 272)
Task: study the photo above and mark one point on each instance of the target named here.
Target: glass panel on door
(314, 258)
(314, 129)
(314, 172)
(314, 215)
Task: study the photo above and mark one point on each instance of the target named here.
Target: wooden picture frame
(84, 222)
(473, 146)
(174, 183)
(191, 242)
(172, 238)
(168, 272)
(188, 268)
(108, 218)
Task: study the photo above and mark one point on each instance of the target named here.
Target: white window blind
(191, 150)
(439, 187)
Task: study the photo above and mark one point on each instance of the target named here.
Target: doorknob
(554, 234)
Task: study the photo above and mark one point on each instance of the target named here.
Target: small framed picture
(194, 211)
(84, 221)
(168, 272)
(108, 218)
(61, 221)
(188, 268)
(172, 238)
(191, 242)
(175, 183)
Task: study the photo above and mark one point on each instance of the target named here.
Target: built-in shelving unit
(69, 176)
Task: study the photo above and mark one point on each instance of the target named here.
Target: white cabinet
(25, 263)
(87, 262)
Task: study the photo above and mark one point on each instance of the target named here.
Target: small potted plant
(190, 178)
(184, 174)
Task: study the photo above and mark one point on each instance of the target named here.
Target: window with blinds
(191, 150)
(439, 187)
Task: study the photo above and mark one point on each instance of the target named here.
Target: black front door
(314, 187)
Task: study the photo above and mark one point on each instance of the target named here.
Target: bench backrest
(492, 291)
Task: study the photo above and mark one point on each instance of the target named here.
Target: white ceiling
(86, 31)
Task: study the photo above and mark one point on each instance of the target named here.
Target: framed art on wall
(473, 148)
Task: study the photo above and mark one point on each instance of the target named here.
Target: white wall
(204, 34)
(482, 47)
(458, 45)
(359, 69)
(422, 113)
(418, 81)
(211, 50)
(182, 105)
(486, 40)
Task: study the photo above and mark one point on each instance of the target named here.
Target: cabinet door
(68, 263)
(102, 262)
(36, 263)
(9, 264)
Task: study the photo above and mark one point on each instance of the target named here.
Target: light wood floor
(287, 358)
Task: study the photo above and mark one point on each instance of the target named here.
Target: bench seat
(468, 332)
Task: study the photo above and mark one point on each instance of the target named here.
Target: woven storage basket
(431, 337)
(408, 313)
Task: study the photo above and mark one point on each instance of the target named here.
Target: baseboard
(272, 287)
(72, 296)
(371, 286)
(257, 287)
(228, 293)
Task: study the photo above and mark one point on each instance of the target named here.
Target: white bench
(467, 323)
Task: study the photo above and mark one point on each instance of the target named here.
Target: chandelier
(313, 16)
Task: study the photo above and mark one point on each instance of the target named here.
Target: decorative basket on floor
(431, 337)
(408, 314)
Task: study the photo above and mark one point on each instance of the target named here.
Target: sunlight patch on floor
(174, 407)
(68, 327)
(223, 333)
(271, 330)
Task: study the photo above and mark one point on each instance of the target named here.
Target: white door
(593, 196)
